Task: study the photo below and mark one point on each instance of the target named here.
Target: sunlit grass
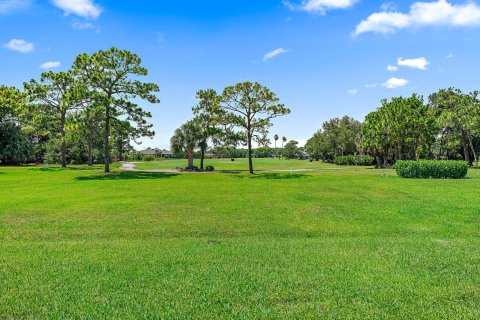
(330, 243)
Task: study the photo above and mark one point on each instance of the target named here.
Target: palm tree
(186, 139)
(275, 137)
(283, 141)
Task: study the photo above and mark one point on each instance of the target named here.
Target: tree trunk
(202, 157)
(106, 139)
(465, 146)
(64, 142)
(90, 149)
(473, 151)
(250, 161)
(190, 158)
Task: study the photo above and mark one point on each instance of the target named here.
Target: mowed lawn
(335, 243)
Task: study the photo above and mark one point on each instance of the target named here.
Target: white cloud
(273, 54)
(437, 13)
(20, 45)
(50, 65)
(352, 92)
(451, 56)
(82, 25)
(371, 85)
(392, 68)
(418, 63)
(320, 6)
(83, 8)
(394, 83)
(12, 5)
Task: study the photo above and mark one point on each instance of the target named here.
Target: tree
(275, 137)
(291, 149)
(284, 140)
(338, 137)
(458, 114)
(110, 77)
(56, 94)
(251, 107)
(186, 139)
(208, 115)
(403, 128)
(14, 144)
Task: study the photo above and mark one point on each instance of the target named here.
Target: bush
(354, 160)
(210, 168)
(435, 169)
(148, 157)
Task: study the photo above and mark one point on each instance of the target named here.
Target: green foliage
(291, 150)
(210, 168)
(148, 157)
(435, 169)
(338, 137)
(263, 152)
(111, 81)
(403, 128)
(354, 160)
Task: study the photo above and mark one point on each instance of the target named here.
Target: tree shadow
(127, 175)
(274, 176)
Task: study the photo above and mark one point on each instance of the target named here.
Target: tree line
(445, 127)
(80, 115)
(89, 114)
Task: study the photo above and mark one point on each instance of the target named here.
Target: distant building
(167, 154)
(149, 152)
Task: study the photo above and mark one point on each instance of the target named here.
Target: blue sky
(323, 58)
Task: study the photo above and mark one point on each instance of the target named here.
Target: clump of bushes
(148, 157)
(434, 169)
(210, 168)
(354, 160)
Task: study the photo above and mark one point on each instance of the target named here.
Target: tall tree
(252, 106)
(208, 115)
(186, 139)
(457, 113)
(111, 77)
(56, 94)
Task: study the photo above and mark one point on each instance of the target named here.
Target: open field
(239, 164)
(332, 243)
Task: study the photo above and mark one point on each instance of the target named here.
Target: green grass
(333, 243)
(237, 165)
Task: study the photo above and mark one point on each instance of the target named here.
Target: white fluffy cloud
(418, 63)
(274, 53)
(19, 45)
(392, 68)
(12, 5)
(352, 92)
(320, 6)
(394, 83)
(50, 65)
(83, 8)
(437, 13)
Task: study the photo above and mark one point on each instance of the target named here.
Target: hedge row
(354, 160)
(435, 169)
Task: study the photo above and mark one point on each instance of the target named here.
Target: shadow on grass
(56, 169)
(127, 175)
(274, 176)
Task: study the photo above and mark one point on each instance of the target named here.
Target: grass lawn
(238, 164)
(333, 243)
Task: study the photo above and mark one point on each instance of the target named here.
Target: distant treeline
(446, 127)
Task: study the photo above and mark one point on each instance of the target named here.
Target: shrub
(354, 160)
(435, 169)
(210, 168)
(148, 158)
